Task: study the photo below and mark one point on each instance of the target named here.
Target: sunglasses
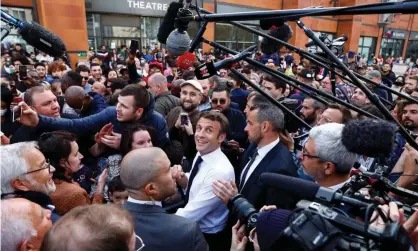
(85, 78)
(220, 101)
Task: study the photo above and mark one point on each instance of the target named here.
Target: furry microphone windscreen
(369, 137)
(186, 60)
(283, 33)
(167, 25)
(42, 39)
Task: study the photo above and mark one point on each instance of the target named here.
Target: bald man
(85, 104)
(24, 224)
(205, 103)
(148, 177)
(99, 88)
(164, 100)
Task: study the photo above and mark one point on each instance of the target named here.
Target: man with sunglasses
(25, 173)
(84, 71)
(221, 101)
(325, 158)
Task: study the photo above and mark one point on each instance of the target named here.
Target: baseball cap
(193, 83)
(373, 74)
(306, 73)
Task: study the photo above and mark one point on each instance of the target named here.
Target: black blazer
(161, 231)
(278, 160)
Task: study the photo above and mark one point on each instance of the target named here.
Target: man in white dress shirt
(210, 164)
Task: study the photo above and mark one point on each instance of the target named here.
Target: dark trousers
(220, 241)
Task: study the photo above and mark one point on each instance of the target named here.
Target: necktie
(192, 176)
(247, 168)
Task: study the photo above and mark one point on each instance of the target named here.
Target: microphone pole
(279, 74)
(270, 98)
(198, 38)
(371, 96)
(405, 7)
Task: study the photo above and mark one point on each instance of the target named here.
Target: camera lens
(243, 210)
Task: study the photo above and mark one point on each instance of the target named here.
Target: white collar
(262, 151)
(211, 155)
(338, 186)
(145, 202)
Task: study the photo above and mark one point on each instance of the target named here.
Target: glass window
(391, 47)
(367, 46)
(412, 49)
(234, 37)
(13, 37)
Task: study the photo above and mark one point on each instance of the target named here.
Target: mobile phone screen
(134, 46)
(23, 72)
(16, 113)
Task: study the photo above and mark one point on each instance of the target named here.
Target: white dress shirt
(204, 206)
(262, 152)
(338, 186)
(145, 202)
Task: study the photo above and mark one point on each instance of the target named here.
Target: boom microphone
(167, 25)
(283, 33)
(306, 190)
(37, 36)
(369, 137)
(178, 42)
(209, 69)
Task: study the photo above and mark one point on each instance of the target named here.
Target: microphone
(37, 36)
(306, 190)
(178, 42)
(167, 25)
(283, 32)
(370, 137)
(186, 60)
(343, 38)
(209, 69)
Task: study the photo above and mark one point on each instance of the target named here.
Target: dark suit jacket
(161, 231)
(278, 160)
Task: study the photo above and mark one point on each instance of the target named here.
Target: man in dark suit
(148, 177)
(265, 154)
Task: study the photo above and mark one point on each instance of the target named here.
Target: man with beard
(183, 130)
(411, 83)
(410, 117)
(359, 98)
(25, 173)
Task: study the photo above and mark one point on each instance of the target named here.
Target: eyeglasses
(142, 243)
(46, 166)
(306, 154)
(221, 101)
(85, 78)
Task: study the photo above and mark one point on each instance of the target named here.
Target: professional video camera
(336, 45)
(318, 226)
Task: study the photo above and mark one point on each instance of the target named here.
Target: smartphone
(23, 72)
(16, 113)
(133, 48)
(17, 100)
(184, 118)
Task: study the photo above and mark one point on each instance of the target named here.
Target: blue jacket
(94, 123)
(239, 96)
(237, 124)
(97, 105)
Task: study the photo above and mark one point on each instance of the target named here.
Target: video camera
(324, 224)
(336, 45)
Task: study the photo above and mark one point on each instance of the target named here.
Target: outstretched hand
(28, 117)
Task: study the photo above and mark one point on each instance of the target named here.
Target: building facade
(91, 23)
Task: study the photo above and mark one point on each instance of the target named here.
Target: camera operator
(325, 158)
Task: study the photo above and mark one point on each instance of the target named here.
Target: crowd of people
(169, 151)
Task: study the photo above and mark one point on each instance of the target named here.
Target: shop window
(367, 46)
(234, 37)
(14, 37)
